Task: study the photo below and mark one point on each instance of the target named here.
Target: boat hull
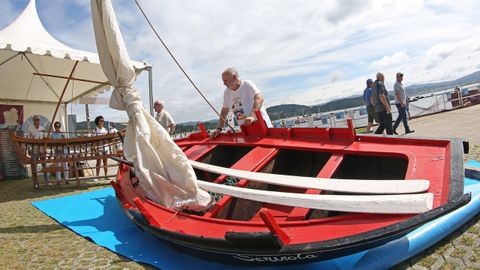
(221, 234)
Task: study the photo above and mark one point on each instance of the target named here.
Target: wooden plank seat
(254, 160)
(53, 153)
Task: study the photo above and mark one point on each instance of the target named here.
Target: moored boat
(275, 204)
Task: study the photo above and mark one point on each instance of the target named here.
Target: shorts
(372, 115)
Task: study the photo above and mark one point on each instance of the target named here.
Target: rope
(181, 68)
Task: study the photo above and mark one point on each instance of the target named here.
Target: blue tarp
(98, 216)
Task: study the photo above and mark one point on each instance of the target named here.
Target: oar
(339, 185)
(382, 204)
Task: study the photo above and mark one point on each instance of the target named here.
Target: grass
(31, 240)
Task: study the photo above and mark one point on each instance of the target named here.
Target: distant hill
(420, 89)
(287, 110)
(193, 125)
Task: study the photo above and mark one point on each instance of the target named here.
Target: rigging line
(181, 68)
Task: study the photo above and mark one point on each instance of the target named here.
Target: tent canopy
(34, 67)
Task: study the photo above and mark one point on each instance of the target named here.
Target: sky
(295, 51)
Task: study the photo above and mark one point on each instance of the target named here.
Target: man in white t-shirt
(242, 98)
(36, 131)
(163, 117)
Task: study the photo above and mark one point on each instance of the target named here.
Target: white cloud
(389, 60)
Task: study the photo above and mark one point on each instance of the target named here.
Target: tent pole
(73, 79)
(87, 117)
(60, 99)
(65, 114)
(150, 89)
(10, 58)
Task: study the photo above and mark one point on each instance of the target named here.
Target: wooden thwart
(382, 204)
(339, 185)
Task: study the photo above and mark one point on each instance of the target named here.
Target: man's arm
(223, 116)
(221, 123)
(397, 94)
(384, 100)
(399, 99)
(257, 104)
(171, 128)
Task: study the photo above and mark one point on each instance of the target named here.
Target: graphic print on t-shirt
(237, 109)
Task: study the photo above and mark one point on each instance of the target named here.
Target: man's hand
(215, 133)
(249, 120)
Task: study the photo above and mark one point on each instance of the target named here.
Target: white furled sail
(164, 171)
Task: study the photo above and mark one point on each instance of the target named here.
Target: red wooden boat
(267, 224)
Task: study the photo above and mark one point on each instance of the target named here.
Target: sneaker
(409, 131)
(395, 132)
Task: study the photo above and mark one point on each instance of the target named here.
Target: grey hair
(159, 102)
(231, 70)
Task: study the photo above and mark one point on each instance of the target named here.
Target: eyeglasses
(57, 126)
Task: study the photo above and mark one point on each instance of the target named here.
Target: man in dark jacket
(382, 105)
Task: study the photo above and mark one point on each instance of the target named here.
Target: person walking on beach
(242, 98)
(382, 105)
(401, 104)
(367, 94)
(163, 117)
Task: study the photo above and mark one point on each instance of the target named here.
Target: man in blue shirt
(367, 93)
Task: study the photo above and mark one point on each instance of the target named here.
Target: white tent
(34, 68)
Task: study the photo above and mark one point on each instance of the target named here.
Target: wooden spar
(340, 185)
(61, 97)
(380, 204)
(72, 78)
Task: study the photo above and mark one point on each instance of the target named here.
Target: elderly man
(382, 105)
(163, 117)
(37, 132)
(242, 98)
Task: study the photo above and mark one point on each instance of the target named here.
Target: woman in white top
(101, 130)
